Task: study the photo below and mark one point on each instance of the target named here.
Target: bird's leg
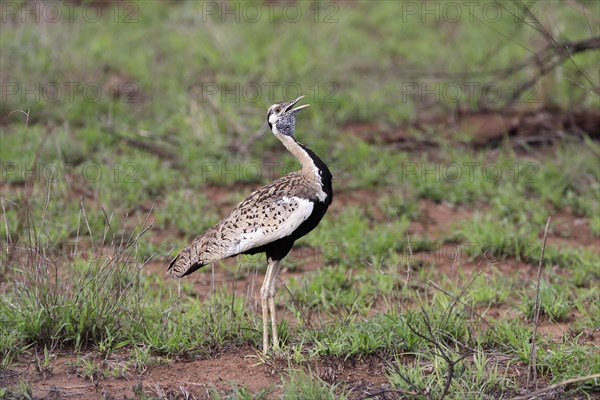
(265, 315)
(272, 290)
(264, 294)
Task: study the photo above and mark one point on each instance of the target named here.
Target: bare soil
(239, 366)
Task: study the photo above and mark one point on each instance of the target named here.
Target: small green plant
(554, 300)
(511, 336)
(568, 360)
(20, 391)
(44, 361)
(238, 393)
(399, 205)
(491, 289)
(89, 369)
(493, 238)
(301, 385)
(581, 263)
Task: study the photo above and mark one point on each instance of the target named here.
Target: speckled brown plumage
(270, 219)
(266, 210)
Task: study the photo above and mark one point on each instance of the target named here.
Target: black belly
(281, 247)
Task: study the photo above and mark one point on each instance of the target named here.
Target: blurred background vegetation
(136, 101)
(118, 114)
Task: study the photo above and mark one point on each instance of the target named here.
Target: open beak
(293, 103)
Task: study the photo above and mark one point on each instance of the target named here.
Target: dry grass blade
(532, 356)
(556, 386)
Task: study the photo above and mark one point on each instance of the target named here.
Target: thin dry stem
(533, 355)
(556, 386)
(408, 266)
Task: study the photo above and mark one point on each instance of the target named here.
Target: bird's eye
(278, 110)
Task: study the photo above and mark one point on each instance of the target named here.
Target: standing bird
(269, 220)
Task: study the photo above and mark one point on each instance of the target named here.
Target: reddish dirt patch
(486, 128)
(590, 336)
(438, 219)
(571, 231)
(361, 377)
(554, 330)
(196, 377)
(238, 366)
(234, 368)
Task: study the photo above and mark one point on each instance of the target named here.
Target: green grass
(91, 174)
(491, 289)
(491, 238)
(239, 393)
(350, 239)
(305, 385)
(178, 206)
(382, 334)
(21, 390)
(106, 303)
(555, 302)
(484, 378)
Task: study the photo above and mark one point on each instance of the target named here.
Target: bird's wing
(263, 217)
(255, 226)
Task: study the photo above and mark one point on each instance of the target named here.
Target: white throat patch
(272, 119)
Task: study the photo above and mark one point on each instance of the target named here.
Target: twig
(141, 141)
(456, 298)
(556, 385)
(407, 381)
(8, 238)
(160, 151)
(440, 351)
(87, 223)
(532, 356)
(555, 54)
(408, 266)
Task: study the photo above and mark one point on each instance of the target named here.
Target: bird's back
(286, 209)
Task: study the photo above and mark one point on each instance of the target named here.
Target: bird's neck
(301, 153)
(313, 168)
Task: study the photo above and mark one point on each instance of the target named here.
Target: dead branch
(548, 59)
(440, 352)
(141, 142)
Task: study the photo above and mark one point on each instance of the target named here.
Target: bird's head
(281, 117)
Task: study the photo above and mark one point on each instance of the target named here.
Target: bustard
(268, 220)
